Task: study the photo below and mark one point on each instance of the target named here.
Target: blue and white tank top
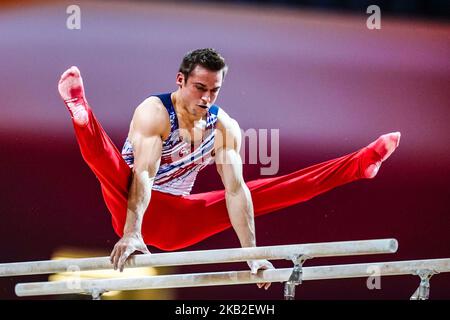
(180, 160)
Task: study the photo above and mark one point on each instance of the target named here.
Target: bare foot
(71, 89)
(385, 145)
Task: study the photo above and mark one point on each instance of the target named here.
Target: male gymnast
(172, 136)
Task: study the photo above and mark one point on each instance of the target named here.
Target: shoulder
(225, 122)
(151, 117)
(151, 106)
(228, 132)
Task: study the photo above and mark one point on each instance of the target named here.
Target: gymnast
(172, 136)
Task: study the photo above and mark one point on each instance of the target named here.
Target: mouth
(202, 106)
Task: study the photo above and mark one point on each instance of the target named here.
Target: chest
(186, 147)
(194, 136)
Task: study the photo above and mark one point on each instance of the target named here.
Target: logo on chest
(183, 151)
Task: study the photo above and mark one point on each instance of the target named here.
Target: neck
(185, 119)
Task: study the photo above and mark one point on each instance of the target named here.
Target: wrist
(132, 234)
(248, 244)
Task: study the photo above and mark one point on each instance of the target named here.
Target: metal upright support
(96, 294)
(296, 276)
(423, 291)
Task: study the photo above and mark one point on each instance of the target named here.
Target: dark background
(329, 84)
(434, 9)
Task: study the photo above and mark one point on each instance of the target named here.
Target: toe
(399, 135)
(75, 70)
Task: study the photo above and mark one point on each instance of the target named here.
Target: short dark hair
(208, 58)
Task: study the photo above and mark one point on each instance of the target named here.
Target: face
(201, 89)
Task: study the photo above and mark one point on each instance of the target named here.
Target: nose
(206, 98)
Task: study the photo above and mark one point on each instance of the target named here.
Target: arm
(146, 130)
(237, 195)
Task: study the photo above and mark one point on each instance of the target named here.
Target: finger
(254, 269)
(117, 256)
(260, 285)
(111, 256)
(121, 263)
(113, 253)
(267, 286)
(124, 258)
(116, 259)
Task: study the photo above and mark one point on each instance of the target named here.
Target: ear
(180, 79)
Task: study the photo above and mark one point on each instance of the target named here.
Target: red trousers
(174, 222)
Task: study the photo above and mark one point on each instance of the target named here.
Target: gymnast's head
(200, 78)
